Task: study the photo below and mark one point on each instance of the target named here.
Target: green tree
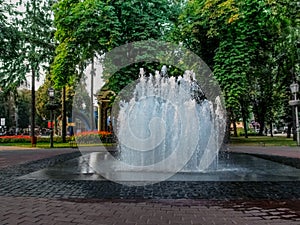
(87, 28)
(83, 28)
(35, 48)
(30, 41)
(238, 39)
(9, 35)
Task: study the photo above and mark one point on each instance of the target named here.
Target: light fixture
(51, 92)
(294, 87)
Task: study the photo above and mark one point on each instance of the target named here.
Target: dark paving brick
(105, 202)
(97, 212)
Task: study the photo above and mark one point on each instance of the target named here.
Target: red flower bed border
(91, 137)
(15, 139)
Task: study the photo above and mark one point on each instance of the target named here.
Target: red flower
(16, 137)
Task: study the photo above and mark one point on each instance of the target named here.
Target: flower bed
(27, 139)
(94, 137)
(15, 139)
(88, 137)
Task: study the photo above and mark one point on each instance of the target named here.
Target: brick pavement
(10, 156)
(284, 151)
(37, 210)
(20, 210)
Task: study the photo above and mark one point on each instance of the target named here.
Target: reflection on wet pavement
(235, 167)
(267, 210)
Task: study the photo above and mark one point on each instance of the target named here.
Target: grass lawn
(263, 141)
(38, 145)
(47, 145)
(250, 141)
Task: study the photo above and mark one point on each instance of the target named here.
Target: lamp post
(295, 102)
(51, 107)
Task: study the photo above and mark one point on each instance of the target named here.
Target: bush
(93, 137)
(27, 139)
(57, 139)
(251, 134)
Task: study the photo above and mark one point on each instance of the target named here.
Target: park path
(11, 155)
(20, 210)
(32, 210)
(285, 151)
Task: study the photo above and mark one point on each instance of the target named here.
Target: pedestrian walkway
(11, 155)
(5, 148)
(181, 212)
(284, 151)
(18, 209)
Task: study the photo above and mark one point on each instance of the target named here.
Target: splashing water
(168, 125)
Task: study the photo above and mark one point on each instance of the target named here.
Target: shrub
(27, 139)
(92, 137)
(57, 139)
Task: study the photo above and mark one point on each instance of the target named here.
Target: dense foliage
(90, 28)
(243, 41)
(28, 41)
(252, 46)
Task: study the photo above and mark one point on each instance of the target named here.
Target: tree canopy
(91, 28)
(27, 41)
(240, 40)
(252, 46)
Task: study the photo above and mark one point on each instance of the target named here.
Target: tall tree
(94, 27)
(87, 29)
(83, 28)
(156, 21)
(238, 40)
(34, 50)
(9, 35)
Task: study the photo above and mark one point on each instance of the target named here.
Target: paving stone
(97, 202)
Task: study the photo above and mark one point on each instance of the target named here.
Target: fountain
(168, 125)
(168, 131)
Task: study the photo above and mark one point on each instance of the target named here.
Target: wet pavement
(94, 201)
(232, 167)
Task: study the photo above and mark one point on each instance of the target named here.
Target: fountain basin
(233, 167)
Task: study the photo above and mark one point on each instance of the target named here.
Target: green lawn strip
(262, 141)
(38, 145)
(56, 145)
(250, 141)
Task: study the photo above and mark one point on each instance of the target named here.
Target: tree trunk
(33, 138)
(227, 131)
(235, 134)
(34, 66)
(245, 126)
(244, 121)
(64, 116)
(289, 130)
(271, 129)
(92, 97)
(261, 127)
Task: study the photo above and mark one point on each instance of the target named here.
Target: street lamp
(295, 102)
(51, 107)
(51, 93)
